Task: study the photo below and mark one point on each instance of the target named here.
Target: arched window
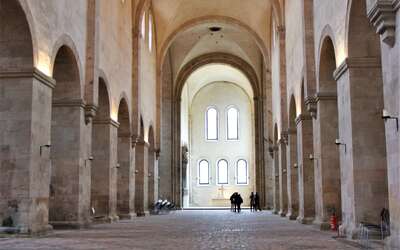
(222, 172)
(232, 124)
(204, 172)
(241, 172)
(212, 124)
(143, 26)
(150, 32)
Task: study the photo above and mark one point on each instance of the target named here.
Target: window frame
(198, 172)
(237, 123)
(227, 172)
(206, 124)
(237, 172)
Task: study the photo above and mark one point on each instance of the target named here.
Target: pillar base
(275, 211)
(305, 220)
(392, 242)
(282, 213)
(322, 225)
(291, 216)
(69, 224)
(25, 231)
(142, 214)
(129, 216)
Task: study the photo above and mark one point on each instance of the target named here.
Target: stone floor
(189, 230)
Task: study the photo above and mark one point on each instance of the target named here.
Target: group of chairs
(368, 231)
(163, 207)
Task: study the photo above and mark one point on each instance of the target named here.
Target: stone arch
(327, 37)
(326, 154)
(292, 167)
(66, 41)
(16, 39)
(124, 171)
(67, 109)
(243, 66)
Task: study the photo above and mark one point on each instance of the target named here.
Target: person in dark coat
(256, 202)
(252, 201)
(233, 203)
(238, 201)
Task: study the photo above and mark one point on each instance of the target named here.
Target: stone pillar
(69, 197)
(276, 180)
(124, 175)
(104, 169)
(132, 180)
(292, 173)
(283, 192)
(25, 115)
(305, 169)
(361, 130)
(153, 178)
(326, 159)
(141, 178)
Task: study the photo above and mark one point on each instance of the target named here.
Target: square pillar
(363, 153)
(124, 172)
(25, 122)
(276, 186)
(292, 175)
(104, 169)
(141, 178)
(283, 192)
(305, 168)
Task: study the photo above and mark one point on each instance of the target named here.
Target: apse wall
(220, 95)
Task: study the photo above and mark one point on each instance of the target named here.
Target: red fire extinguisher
(333, 222)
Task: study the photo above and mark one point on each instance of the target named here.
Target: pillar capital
(29, 73)
(311, 104)
(356, 62)
(107, 121)
(284, 138)
(382, 15)
(90, 113)
(303, 117)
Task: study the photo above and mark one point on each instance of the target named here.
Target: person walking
(252, 201)
(239, 202)
(233, 203)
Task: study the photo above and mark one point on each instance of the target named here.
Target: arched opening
(124, 166)
(102, 133)
(142, 173)
(276, 172)
(360, 100)
(67, 109)
(326, 153)
(217, 136)
(292, 166)
(153, 170)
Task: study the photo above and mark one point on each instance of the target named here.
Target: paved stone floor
(188, 230)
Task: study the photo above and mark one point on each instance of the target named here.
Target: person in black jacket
(256, 202)
(252, 203)
(238, 201)
(233, 203)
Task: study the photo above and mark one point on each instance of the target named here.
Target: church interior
(129, 124)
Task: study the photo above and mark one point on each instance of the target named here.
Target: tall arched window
(232, 124)
(150, 32)
(222, 172)
(143, 26)
(241, 172)
(204, 172)
(212, 124)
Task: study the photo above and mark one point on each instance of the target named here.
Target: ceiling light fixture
(215, 29)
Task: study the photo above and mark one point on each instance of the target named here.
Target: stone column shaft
(305, 168)
(124, 175)
(292, 175)
(141, 178)
(283, 192)
(361, 130)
